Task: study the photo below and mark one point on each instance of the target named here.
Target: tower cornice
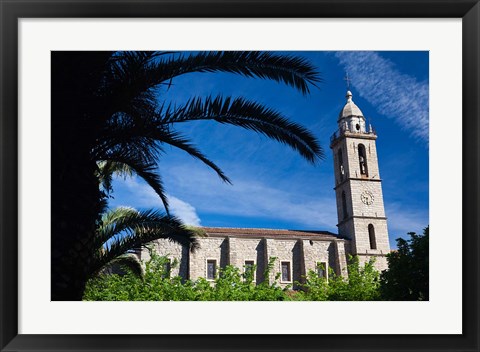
(356, 179)
(340, 135)
(361, 217)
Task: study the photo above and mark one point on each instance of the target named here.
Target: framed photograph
(404, 72)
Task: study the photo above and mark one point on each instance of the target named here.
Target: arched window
(371, 236)
(341, 170)
(362, 158)
(344, 205)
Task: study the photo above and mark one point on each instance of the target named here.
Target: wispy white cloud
(185, 211)
(249, 197)
(392, 93)
(199, 191)
(140, 195)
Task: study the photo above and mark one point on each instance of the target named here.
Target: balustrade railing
(340, 132)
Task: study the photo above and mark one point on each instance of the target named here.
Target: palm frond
(294, 71)
(116, 168)
(175, 139)
(117, 137)
(128, 261)
(129, 149)
(108, 168)
(140, 228)
(141, 121)
(145, 169)
(125, 78)
(136, 73)
(114, 222)
(248, 115)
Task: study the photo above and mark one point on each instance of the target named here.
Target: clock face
(367, 197)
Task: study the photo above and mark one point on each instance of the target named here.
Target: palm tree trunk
(75, 208)
(76, 198)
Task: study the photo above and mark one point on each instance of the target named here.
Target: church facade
(362, 223)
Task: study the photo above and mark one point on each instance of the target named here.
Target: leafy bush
(232, 285)
(362, 284)
(407, 276)
(157, 285)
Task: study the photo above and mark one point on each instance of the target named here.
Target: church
(362, 223)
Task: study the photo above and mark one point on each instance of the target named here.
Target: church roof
(350, 108)
(270, 233)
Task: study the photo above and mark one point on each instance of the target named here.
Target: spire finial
(347, 79)
(349, 96)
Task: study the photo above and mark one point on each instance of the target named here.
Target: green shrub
(232, 285)
(362, 284)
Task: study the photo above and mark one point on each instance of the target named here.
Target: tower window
(362, 158)
(371, 236)
(340, 164)
(344, 205)
(357, 126)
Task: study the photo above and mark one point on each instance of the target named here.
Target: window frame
(215, 261)
(290, 274)
(341, 168)
(254, 271)
(167, 268)
(362, 151)
(372, 237)
(325, 268)
(344, 205)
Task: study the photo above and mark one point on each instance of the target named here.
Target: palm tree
(106, 108)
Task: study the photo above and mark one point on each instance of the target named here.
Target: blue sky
(273, 187)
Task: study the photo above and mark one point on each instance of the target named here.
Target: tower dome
(350, 108)
(351, 118)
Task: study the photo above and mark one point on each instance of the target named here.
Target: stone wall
(211, 248)
(241, 250)
(362, 238)
(380, 261)
(302, 254)
(288, 251)
(319, 252)
(173, 251)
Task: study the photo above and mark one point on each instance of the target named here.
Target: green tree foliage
(407, 276)
(232, 285)
(315, 288)
(158, 285)
(107, 108)
(362, 284)
(406, 279)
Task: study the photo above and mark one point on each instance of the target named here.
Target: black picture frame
(11, 11)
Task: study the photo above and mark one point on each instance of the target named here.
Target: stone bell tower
(358, 186)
